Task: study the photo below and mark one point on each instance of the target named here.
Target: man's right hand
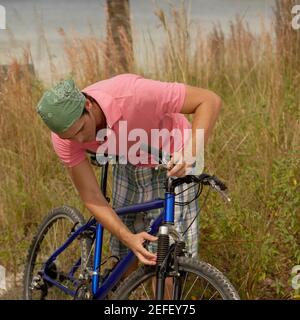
(135, 243)
(86, 183)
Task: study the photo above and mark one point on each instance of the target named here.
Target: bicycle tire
(63, 212)
(204, 270)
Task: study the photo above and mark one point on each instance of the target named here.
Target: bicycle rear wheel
(199, 281)
(52, 233)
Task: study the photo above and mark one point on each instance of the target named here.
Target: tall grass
(254, 148)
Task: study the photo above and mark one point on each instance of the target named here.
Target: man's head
(68, 112)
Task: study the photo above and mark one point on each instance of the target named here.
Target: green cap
(61, 106)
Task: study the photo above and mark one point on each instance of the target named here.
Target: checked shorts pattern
(133, 184)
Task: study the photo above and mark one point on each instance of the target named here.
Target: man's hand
(86, 183)
(180, 164)
(135, 243)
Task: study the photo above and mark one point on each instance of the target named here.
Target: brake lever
(224, 195)
(163, 162)
(215, 186)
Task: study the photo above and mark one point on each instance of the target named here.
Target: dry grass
(255, 147)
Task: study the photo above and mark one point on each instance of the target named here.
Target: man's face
(84, 129)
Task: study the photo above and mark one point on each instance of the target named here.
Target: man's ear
(88, 105)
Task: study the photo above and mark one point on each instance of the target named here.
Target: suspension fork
(164, 241)
(162, 251)
(178, 276)
(165, 255)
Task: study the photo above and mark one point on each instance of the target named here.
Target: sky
(28, 20)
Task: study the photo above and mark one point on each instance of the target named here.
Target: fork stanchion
(162, 251)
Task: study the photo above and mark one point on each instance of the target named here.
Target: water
(28, 20)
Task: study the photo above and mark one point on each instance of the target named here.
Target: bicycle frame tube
(68, 242)
(169, 208)
(59, 251)
(123, 265)
(120, 269)
(97, 257)
(145, 206)
(114, 277)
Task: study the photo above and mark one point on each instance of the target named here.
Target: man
(75, 117)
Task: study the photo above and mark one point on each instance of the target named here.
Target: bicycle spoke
(191, 287)
(213, 295)
(182, 291)
(204, 291)
(145, 291)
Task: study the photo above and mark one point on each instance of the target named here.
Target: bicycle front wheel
(199, 281)
(57, 226)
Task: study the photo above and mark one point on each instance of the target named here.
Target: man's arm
(86, 184)
(205, 105)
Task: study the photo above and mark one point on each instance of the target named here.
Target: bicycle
(68, 270)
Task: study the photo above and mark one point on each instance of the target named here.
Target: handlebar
(163, 158)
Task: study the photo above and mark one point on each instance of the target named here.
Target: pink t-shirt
(142, 103)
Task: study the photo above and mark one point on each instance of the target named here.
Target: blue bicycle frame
(100, 290)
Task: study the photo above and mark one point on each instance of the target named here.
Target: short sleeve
(69, 152)
(160, 97)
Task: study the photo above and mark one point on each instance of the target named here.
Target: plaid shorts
(133, 185)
